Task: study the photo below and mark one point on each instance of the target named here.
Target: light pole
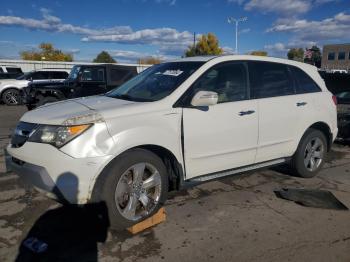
(232, 20)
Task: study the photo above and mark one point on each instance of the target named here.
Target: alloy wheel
(314, 153)
(11, 97)
(138, 191)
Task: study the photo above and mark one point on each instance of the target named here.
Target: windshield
(24, 76)
(156, 82)
(74, 72)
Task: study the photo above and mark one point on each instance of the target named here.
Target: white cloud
(228, 50)
(281, 7)
(239, 2)
(277, 47)
(167, 39)
(133, 56)
(290, 7)
(331, 29)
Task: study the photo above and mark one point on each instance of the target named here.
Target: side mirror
(205, 98)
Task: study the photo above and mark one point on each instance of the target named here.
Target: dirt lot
(234, 219)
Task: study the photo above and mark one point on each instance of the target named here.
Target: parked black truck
(83, 80)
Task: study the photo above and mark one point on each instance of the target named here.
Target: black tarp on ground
(311, 198)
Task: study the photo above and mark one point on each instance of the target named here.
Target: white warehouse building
(27, 65)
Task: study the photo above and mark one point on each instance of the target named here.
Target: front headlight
(57, 136)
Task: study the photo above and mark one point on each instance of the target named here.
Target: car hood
(57, 113)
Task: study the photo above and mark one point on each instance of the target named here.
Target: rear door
(222, 136)
(274, 90)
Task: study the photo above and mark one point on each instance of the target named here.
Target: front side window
(156, 82)
(304, 83)
(331, 56)
(269, 79)
(93, 74)
(228, 80)
(341, 56)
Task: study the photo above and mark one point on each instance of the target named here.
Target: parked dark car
(343, 109)
(83, 80)
(339, 85)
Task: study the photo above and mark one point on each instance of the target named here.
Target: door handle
(249, 112)
(301, 104)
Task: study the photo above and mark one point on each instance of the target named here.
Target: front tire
(11, 97)
(135, 186)
(310, 155)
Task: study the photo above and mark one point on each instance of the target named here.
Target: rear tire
(11, 97)
(134, 187)
(310, 155)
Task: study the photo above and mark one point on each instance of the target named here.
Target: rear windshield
(156, 82)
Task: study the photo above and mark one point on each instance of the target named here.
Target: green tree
(46, 52)
(104, 57)
(207, 45)
(296, 54)
(258, 53)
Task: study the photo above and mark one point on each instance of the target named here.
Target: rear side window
(269, 80)
(59, 75)
(40, 75)
(304, 83)
(121, 75)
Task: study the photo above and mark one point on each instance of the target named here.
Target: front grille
(21, 134)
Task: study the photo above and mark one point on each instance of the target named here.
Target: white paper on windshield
(173, 72)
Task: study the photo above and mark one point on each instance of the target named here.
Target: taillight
(334, 98)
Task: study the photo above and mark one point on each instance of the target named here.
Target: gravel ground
(233, 219)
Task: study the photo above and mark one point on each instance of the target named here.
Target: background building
(28, 65)
(336, 57)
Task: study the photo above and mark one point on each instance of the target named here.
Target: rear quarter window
(304, 83)
(268, 79)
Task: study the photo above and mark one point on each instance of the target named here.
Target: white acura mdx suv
(177, 123)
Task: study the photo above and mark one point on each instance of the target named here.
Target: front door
(222, 136)
(93, 81)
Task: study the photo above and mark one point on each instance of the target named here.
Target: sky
(130, 29)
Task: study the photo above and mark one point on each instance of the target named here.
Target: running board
(236, 171)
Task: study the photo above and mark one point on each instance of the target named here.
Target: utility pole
(235, 21)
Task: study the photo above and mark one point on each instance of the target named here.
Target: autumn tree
(207, 45)
(104, 57)
(150, 60)
(258, 53)
(46, 52)
(296, 54)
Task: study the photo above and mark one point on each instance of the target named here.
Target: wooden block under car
(157, 218)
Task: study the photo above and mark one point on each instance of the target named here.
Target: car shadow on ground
(70, 232)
